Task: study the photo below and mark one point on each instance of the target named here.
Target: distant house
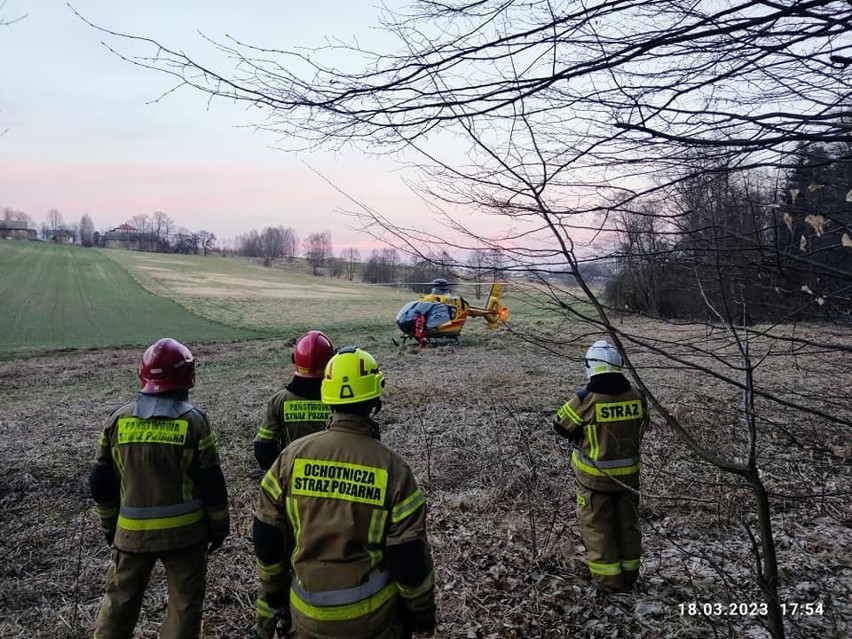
(130, 238)
(62, 236)
(123, 237)
(16, 230)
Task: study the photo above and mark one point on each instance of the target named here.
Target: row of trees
(279, 242)
(159, 232)
(760, 245)
(381, 267)
(156, 232)
(386, 266)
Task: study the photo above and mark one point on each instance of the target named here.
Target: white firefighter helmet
(602, 357)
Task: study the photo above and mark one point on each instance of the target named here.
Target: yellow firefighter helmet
(351, 376)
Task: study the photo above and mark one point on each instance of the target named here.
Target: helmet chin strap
(377, 407)
(374, 410)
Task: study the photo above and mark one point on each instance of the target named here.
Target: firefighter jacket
(606, 421)
(291, 413)
(157, 481)
(350, 522)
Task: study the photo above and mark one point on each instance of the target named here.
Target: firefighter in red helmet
(298, 410)
(160, 495)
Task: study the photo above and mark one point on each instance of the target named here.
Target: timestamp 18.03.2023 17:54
(747, 609)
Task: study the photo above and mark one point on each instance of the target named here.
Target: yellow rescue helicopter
(441, 314)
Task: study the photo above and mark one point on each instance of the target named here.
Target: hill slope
(283, 301)
(58, 297)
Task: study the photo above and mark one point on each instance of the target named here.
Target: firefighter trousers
(127, 579)
(609, 524)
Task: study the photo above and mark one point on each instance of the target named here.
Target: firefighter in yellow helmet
(298, 410)
(340, 527)
(606, 422)
(160, 494)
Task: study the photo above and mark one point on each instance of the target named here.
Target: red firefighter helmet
(311, 354)
(167, 365)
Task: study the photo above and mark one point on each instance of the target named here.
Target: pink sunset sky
(82, 135)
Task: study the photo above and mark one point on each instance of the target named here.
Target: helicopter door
(437, 315)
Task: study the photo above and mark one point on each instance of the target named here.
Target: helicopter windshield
(435, 313)
(440, 287)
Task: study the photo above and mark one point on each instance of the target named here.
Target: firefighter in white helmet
(340, 526)
(605, 421)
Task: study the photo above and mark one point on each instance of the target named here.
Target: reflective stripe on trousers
(599, 568)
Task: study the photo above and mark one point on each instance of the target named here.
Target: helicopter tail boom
(493, 312)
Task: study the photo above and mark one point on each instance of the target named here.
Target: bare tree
(161, 226)
(273, 242)
(289, 243)
(144, 224)
(477, 265)
(390, 259)
(496, 262)
(375, 271)
(228, 246)
(206, 240)
(318, 249)
(351, 256)
(55, 220)
(249, 244)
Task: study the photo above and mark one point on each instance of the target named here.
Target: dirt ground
(474, 423)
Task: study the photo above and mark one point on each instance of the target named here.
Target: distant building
(16, 230)
(62, 236)
(123, 237)
(132, 239)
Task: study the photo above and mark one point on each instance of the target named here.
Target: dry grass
(238, 292)
(474, 422)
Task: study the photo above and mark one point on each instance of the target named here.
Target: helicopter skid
(435, 340)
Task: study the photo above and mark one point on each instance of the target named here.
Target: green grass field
(69, 297)
(58, 297)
